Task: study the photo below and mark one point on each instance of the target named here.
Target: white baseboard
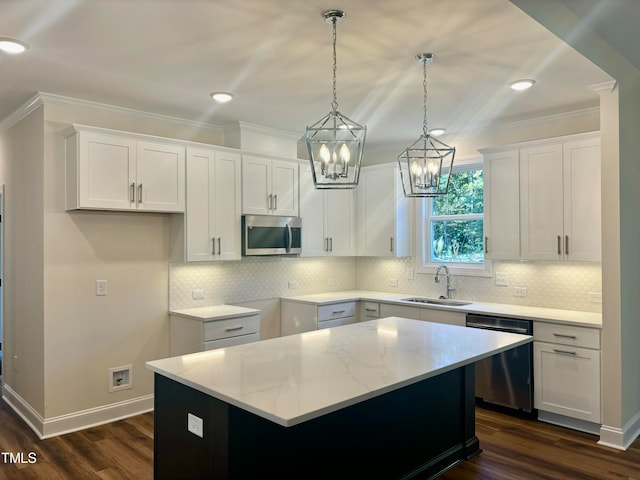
(51, 427)
(620, 438)
(568, 422)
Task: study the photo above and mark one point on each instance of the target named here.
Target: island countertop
(296, 378)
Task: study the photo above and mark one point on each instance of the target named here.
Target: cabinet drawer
(336, 323)
(567, 335)
(371, 309)
(231, 341)
(231, 327)
(336, 310)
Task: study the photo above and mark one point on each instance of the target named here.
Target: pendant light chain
(334, 103)
(424, 98)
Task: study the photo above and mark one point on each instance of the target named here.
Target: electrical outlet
(195, 425)
(393, 282)
(292, 284)
(519, 292)
(595, 297)
(101, 288)
(502, 279)
(197, 294)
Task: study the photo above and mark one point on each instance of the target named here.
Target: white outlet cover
(101, 288)
(502, 279)
(195, 425)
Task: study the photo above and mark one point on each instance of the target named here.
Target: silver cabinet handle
(563, 335)
(331, 244)
(566, 244)
(559, 245)
(337, 312)
(275, 201)
(269, 201)
(140, 193)
(132, 193)
(391, 244)
(371, 310)
(486, 244)
(219, 245)
(326, 244)
(233, 329)
(564, 352)
(213, 245)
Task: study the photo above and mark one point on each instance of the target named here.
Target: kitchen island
(388, 398)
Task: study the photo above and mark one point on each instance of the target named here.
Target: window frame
(423, 263)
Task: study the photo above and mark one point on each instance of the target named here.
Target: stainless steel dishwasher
(506, 378)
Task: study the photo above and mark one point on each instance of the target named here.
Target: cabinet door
(297, 317)
(106, 171)
(376, 200)
(160, 173)
(567, 380)
(582, 206)
(541, 197)
(227, 205)
(312, 212)
(200, 217)
(443, 316)
(284, 187)
(256, 185)
(340, 219)
(502, 205)
(391, 310)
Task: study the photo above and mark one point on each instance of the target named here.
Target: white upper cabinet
(328, 219)
(213, 210)
(502, 205)
(560, 200)
(111, 170)
(269, 186)
(385, 216)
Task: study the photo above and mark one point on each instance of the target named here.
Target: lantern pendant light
(425, 164)
(335, 142)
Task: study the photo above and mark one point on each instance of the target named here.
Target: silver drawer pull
(335, 312)
(371, 309)
(233, 329)
(563, 335)
(564, 352)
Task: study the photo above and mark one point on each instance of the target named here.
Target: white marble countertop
(214, 312)
(551, 315)
(292, 379)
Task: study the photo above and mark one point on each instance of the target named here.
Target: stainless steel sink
(437, 301)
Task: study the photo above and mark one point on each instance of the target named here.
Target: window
(450, 228)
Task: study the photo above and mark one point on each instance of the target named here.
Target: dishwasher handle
(500, 329)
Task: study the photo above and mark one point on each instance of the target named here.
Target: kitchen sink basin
(437, 301)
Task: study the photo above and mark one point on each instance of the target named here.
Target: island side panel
(423, 428)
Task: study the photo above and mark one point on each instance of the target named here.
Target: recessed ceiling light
(12, 46)
(222, 97)
(520, 85)
(437, 131)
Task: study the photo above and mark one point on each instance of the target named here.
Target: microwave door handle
(290, 238)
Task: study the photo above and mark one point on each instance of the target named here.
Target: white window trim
(423, 265)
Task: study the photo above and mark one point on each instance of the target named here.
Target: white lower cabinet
(567, 371)
(193, 333)
(299, 317)
(369, 311)
(444, 316)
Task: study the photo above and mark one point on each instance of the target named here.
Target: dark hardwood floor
(513, 448)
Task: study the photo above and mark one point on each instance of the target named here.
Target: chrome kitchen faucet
(446, 272)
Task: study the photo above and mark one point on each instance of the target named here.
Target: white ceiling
(275, 56)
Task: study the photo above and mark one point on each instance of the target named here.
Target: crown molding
(44, 98)
(604, 88)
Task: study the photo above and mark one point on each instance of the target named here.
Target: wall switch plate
(197, 294)
(502, 279)
(595, 297)
(292, 284)
(393, 282)
(101, 288)
(409, 273)
(519, 292)
(195, 425)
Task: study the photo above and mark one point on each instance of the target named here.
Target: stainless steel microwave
(271, 235)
